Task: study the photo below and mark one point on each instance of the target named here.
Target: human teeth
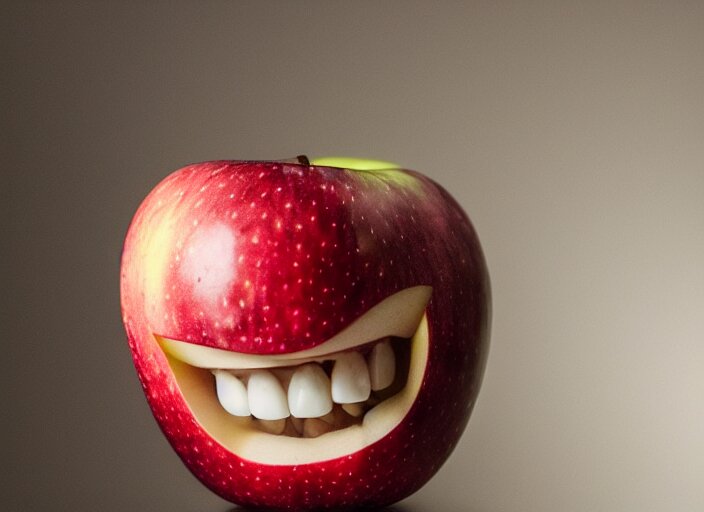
(382, 366)
(350, 379)
(329, 418)
(297, 424)
(267, 398)
(273, 426)
(314, 427)
(355, 410)
(283, 375)
(290, 430)
(232, 393)
(309, 392)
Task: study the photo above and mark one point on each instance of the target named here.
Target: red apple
(263, 268)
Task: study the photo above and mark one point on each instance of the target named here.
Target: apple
(307, 335)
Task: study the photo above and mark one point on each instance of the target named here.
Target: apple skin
(271, 257)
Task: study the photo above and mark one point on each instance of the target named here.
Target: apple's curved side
(395, 215)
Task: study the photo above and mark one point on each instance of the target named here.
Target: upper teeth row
(310, 392)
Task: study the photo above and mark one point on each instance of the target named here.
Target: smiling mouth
(316, 404)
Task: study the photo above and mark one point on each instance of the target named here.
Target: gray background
(571, 132)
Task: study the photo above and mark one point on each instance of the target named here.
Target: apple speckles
(355, 239)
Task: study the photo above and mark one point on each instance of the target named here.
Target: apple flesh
(242, 435)
(282, 263)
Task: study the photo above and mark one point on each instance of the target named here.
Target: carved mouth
(313, 405)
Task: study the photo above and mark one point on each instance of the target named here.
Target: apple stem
(299, 159)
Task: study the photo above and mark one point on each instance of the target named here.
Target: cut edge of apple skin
(239, 436)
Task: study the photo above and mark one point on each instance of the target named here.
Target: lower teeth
(337, 419)
(272, 405)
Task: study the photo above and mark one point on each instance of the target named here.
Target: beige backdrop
(571, 132)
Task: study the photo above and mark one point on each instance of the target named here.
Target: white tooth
(309, 392)
(267, 399)
(232, 393)
(382, 366)
(350, 379)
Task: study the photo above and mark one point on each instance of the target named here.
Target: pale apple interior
(398, 321)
